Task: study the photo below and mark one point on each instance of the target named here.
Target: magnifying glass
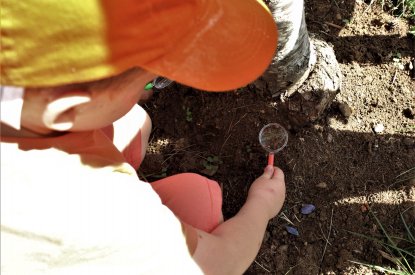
(273, 138)
(159, 83)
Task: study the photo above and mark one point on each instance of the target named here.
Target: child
(72, 136)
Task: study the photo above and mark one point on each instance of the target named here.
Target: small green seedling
(396, 56)
(189, 117)
(346, 21)
(162, 174)
(211, 165)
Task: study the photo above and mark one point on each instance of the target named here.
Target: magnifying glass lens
(273, 137)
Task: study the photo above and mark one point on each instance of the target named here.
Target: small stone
(260, 84)
(345, 110)
(413, 70)
(266, 236)
(331, 121)
(283, 248)
(180, 144)
(379, 128)
(322, 185)
(408, 141)
(411, 193)
(318, 128)
(307, 95)
(329, 138)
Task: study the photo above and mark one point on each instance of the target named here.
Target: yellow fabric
(212, 45)
(77, 208)
(55, 40)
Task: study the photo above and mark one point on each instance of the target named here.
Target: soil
(347, 163)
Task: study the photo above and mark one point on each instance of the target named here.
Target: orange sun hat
(213, 45)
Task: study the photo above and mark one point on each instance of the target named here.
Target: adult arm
(234, 244)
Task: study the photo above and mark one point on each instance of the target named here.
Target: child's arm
(130, 135)
(234, 244)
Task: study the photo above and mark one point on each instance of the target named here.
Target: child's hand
(269, 190)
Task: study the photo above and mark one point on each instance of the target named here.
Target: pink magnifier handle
(271, 159)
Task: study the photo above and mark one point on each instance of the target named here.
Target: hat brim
(230, 44)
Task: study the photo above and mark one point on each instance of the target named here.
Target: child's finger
(268, 172)
(277, 174)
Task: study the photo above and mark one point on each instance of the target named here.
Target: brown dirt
(339, 163)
